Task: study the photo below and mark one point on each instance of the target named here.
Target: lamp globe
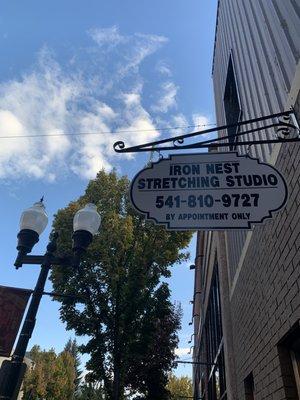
(86, 223)
(33, 222)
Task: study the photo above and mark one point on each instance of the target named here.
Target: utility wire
(180, 396)
(184, 359)
(103, 133)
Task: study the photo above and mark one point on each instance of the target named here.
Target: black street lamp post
(33, 222)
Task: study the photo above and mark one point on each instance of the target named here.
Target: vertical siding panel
(277, 101)
(256, 84)
(275, 96)
(223, 57)
(252, 109)
(263, 82)
(239, 62)
(256, 34)
(269, 84)
(227, 46)
(286, 12)
(283, 51)
(296, 9)
(225, 51)
(270, 39)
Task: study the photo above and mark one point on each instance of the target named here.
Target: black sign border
(167, 224)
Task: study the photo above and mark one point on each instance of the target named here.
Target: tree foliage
(126, 312)
(89, 391)
(154, 352)
(52, 376)
(71, 347)
(180, 387)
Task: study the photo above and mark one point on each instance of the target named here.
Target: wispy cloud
(143, 46)
(167, 98)
(99, 90)
(52, 99)
(200, 121)
(35, 104)
(107, 36)
(179, 121)
(163, 68)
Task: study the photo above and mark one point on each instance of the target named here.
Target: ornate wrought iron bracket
(287, 130)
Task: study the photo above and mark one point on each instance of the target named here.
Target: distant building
(246, 305)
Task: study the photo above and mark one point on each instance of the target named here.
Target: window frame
(289, 358)
(231, 69)
(211, 350)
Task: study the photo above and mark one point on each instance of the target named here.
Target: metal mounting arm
(284, 122)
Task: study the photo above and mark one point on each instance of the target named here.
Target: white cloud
(96, 151)
(143, 46)
(86, 96)
(106, 36)
(200, 121)
(182, 351)
(136, 118)
(163, 68)
(180, 122)
(130, 51)
(33, 105)
(167, 98)
(91, 155)
(131, 99)
(99, 90)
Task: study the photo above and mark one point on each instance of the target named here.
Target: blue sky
(93, 67)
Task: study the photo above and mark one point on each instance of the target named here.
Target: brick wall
(266, 301)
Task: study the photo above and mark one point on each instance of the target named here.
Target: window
(289, 355)
(249, 387)
(295, 356)
(213, 382)
(233, 112)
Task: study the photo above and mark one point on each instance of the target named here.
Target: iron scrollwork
(286, 125)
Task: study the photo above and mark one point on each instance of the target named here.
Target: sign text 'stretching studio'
(208, 191)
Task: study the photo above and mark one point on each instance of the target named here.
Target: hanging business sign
(208, 191)
(13, 302)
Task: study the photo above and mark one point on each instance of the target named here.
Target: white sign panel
(208, 191)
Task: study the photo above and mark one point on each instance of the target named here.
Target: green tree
(90, 391)
(34, 385)
(158, 328)
(72, 348)
(120, 278)
(180, 387)
(52, 376)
